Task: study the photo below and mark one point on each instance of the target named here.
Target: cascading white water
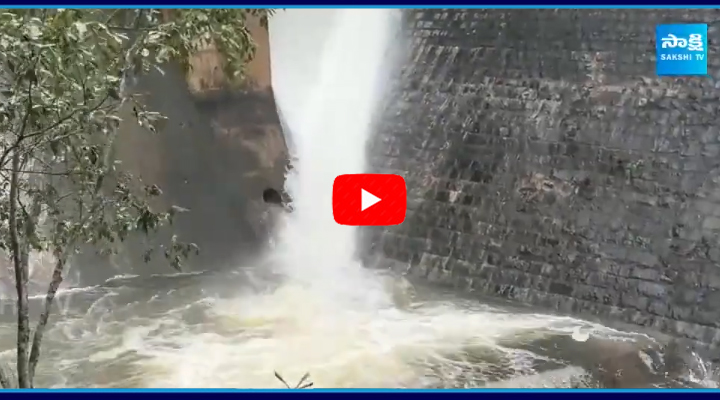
(330, 135)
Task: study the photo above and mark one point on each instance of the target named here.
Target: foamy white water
(330, 135)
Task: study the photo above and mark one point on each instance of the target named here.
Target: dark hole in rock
(272, 196)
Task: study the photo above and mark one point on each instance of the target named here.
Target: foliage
(65, 81)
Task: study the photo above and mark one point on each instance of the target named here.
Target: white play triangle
(367, 199)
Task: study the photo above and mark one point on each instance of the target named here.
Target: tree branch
(21, 272)
(57, 279)
(23, 334)
(45, 173)
(58, 123)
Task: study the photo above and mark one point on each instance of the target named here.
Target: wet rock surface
(546, 163)
(221, 147)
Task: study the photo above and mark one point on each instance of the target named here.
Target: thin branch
(23, 334)
(112, 15)
(281, 379)
(45, 173)
(53, 287)
(57, 279)
(66, 118)
(128, 29)
(23, 328)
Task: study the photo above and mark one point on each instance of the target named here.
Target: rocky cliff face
(220, 150)
(547, 163)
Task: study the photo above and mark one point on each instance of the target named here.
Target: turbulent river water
(308, 305)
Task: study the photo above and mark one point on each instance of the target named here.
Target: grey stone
(647, 274)
(644, 258)
(651, 289)
(714, 255)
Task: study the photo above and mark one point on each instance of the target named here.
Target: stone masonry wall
(546, 163)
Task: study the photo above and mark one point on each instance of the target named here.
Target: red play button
(369, 199)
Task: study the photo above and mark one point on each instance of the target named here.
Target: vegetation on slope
(65, 76)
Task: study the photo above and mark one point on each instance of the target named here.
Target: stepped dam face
(547, 163)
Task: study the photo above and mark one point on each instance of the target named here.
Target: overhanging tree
(65, 76)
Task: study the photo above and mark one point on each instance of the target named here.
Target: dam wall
(546, 163)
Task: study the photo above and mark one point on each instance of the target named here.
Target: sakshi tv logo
(681, 49)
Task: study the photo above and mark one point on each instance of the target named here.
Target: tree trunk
(20, 263)
(57, 279)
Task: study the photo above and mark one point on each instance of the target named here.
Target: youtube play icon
(369, 199)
